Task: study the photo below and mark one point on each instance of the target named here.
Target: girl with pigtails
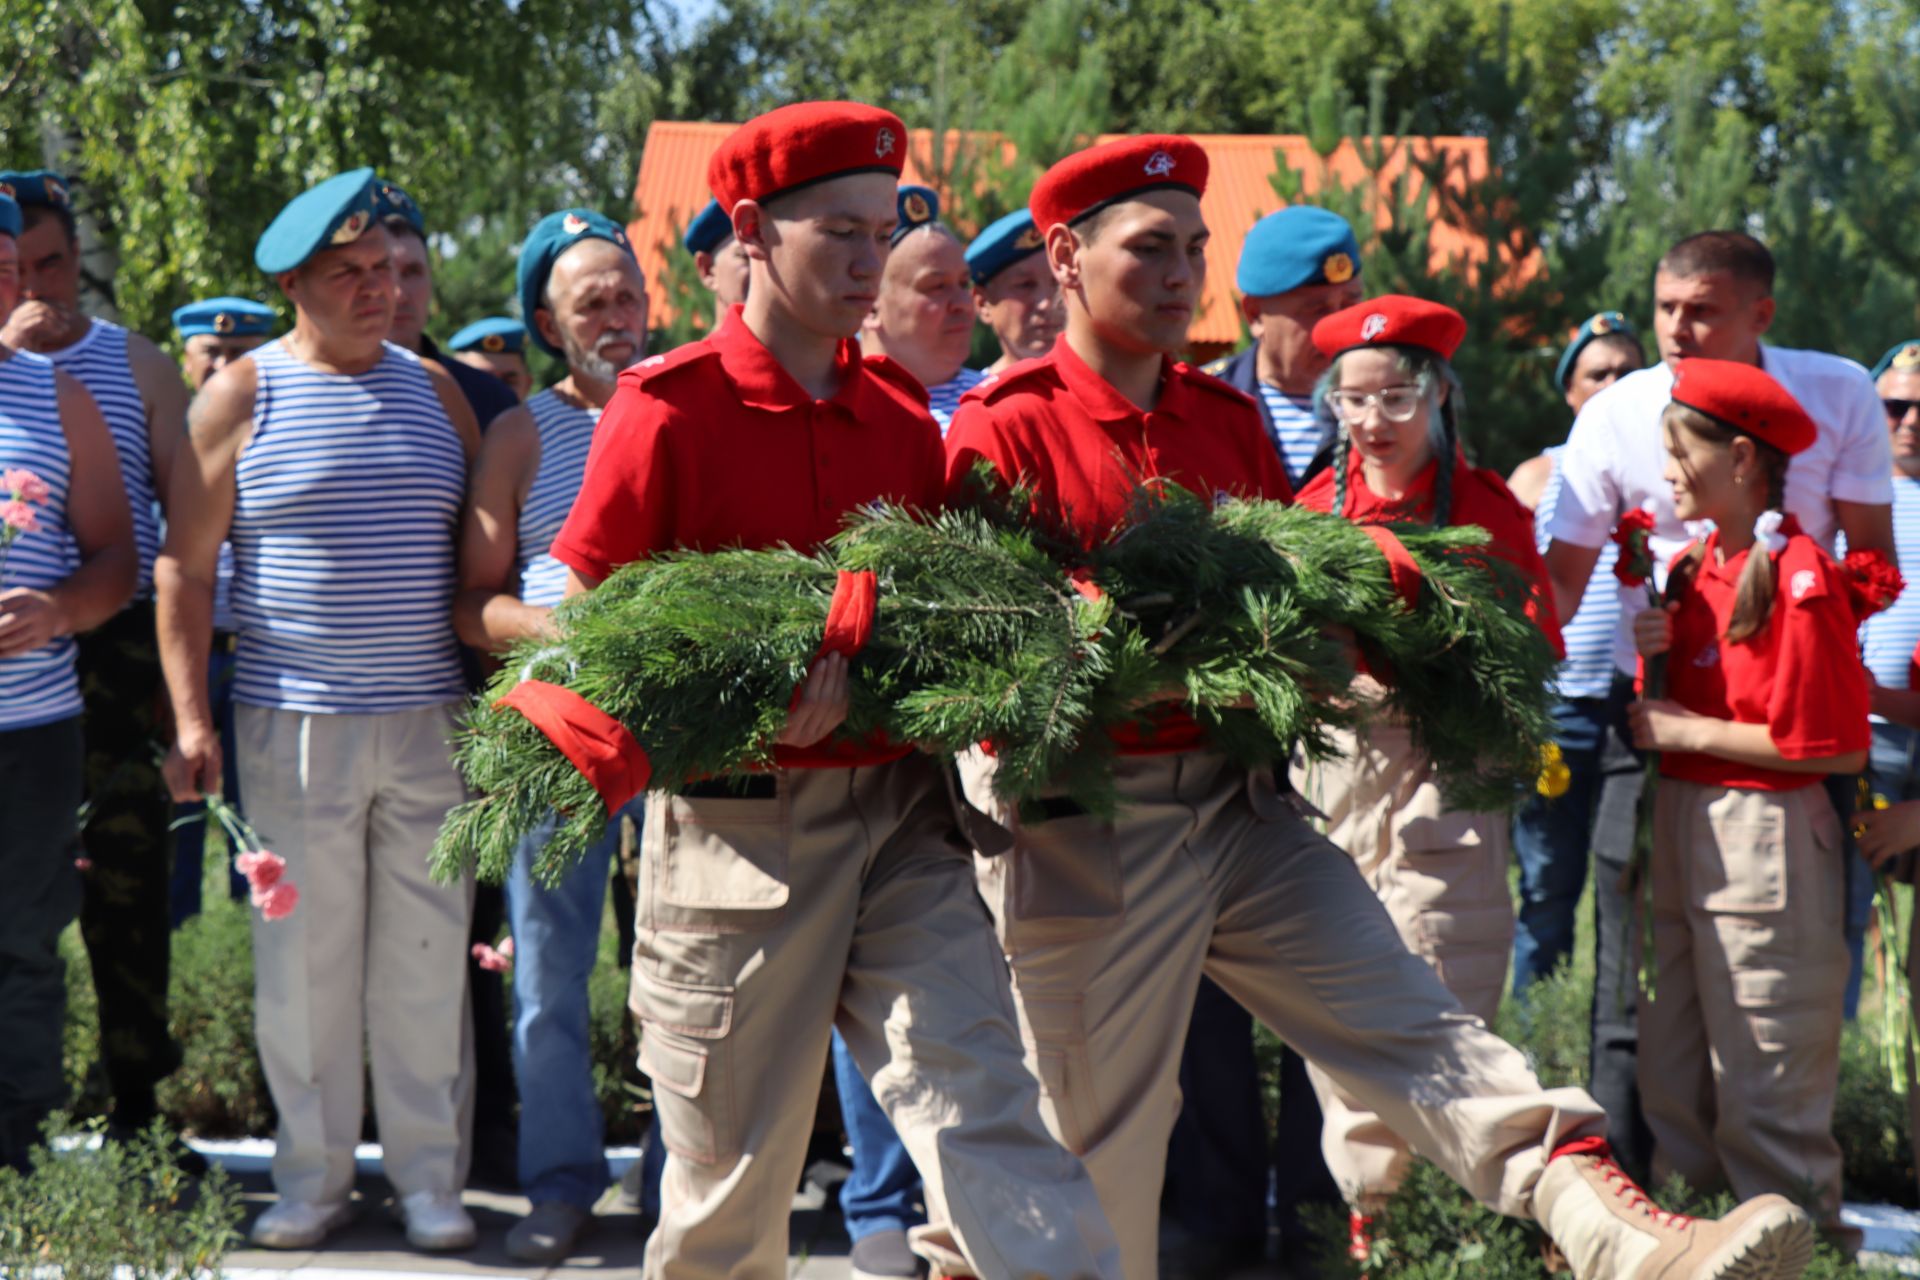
(1766, 696)
(1396, 404)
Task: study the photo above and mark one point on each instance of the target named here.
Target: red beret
(1392, 321)
(1747, 399)
(805, 143)
(1088, 181)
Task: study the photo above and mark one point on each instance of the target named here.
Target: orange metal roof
(672, 188)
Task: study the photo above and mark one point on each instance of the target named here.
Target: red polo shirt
(1480, 497)
(715, 445)
(1057, 425)
(1801, 675)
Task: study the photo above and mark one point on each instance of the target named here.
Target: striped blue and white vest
(1588, 670)
(38, 687)
(566, 433)
(99, 363)
(346, 510)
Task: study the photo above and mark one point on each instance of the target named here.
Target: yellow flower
(1555, 777)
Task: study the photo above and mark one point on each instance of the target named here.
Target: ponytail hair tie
(1766, 531)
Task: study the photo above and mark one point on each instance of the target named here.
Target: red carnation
(1633, 533)
(1872, 582)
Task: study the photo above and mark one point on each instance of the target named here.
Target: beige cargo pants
(1443, 878)
(844, 898)
(1740, 1046)
(1209, 868)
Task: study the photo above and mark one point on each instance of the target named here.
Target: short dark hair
(1733, 253)
(32, 215)
(398, 224)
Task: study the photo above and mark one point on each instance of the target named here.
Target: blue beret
(227, 317)
(1296, 247)
(1003, 243)
(552, 236)
(338, 211)
(35, 186)
(917, 207)
(710, 229)
(390, 199)
(496, 335)
(1902, 356)
(1596, 326)
(9, 217)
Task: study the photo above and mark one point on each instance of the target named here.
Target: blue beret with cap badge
(496, 335)
(710, 228)
(1296, 247)
(1005, 241)
(1902, 356)
(1604, 324)
(35, 187)
(917, 207)
(335, 212)
(224, 317)
(552, 236)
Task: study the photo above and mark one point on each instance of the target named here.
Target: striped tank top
(1588, 670)
(1889, 640)
(99, 363)
(346, 506)
(38, 687)
(566, 432)
(944, 399)
(1296, 432)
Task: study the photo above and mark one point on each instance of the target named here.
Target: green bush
(122, 1212)
(219, 1090)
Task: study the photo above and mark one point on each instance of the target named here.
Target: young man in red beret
(832, 889)
(1212, 868)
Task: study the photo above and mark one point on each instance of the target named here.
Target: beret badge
(1601, 324)
(350, 229)
(223, 323)
(1909, 357)
(493, 342)
(883, 143)
(1159, 165)
(56, 194)
(917, 209)
(6, 189)
(1372, 327)
(1338, 268)
(1029, 239)
(573, 224)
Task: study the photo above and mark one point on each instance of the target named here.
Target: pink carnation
(18, 515)
(261, 868)
(491, 959)
(83, 864)
(278, 902)
(24, 485)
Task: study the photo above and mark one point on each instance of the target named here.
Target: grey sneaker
(883, 1256)
(546, 1234)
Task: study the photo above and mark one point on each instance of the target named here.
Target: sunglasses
(1899, 409)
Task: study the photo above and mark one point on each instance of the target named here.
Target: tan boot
(1609, 1229)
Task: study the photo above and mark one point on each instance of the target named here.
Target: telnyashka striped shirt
(1588, 670)
(1888, 639)
(1296, 433)
(566, 432)
(346, 507)
(99, 362)
(945, 398)
(37, 687)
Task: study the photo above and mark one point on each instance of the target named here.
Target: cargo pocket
(717, 864)
(1062, 876)
(683, 1050)
(1059, 1046)
(1738, 855)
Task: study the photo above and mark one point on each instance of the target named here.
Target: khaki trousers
(373, 961)
(1740, 1048)
(1442, 876)
(845, 898)
(1208, 868)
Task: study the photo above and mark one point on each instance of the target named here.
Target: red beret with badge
(1088, 181)
(1747, 399)
(1394, 320)
(805, 143)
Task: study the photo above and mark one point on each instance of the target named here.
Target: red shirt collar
(1710, 564)
(1364, 505)
(1104, 402)
(762, 382)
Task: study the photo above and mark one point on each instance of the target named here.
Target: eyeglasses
(1899, 409)
(1396, 404)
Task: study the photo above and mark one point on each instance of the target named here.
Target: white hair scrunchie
(1766, 531)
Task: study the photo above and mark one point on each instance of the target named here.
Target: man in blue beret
(214, 333)
(1296, 266)
(583, 291)
(923, 316)
(413, 283)
(71, 571)
(720, 259)
(217, 331)
(1014, 292)
(123, 918)
(336, 463)
(496, 345)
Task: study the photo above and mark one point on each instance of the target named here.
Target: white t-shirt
(1615, 461)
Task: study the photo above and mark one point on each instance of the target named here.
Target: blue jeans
(1895, 774)
(190, 838)
(556, 939)
(1551, 840)
(881, 1192)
